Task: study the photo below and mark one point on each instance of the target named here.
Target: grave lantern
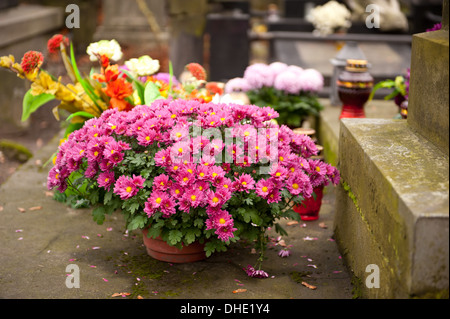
(350, 50)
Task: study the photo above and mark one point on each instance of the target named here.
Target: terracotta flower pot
(310, 209)
(160, 250)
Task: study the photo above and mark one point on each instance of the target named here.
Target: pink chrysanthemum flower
(299, 184)
(259, 75)
(154, 202)
(288, 82)
(127, 187)
(237, 85)
(278, 173)
(274, 196)
(219, 218)
(106, 179)
(192, 198)
(264, 188)
(244, 183)
(311, 80)
(225, 233)
(161, 182)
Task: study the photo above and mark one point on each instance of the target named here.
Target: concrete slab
(37, 245)
(328, 125)
(394, 199)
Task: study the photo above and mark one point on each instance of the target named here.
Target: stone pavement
(40, 237)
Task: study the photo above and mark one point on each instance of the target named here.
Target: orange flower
(119, 89)
(197, 71)
(214, 88)
(111, 73)
(119, 104)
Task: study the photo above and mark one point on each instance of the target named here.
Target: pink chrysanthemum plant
(288, 89)
(189, 171)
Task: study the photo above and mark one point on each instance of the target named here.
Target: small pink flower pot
(309, 209)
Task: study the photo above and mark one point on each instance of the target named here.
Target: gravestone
(393, 200)
(229, 45)
(22, 28)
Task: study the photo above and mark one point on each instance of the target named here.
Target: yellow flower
(44, 84)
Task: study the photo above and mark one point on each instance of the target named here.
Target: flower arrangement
(288, 89)
(400, 92)
(190, 171)
(113, 86)
(329, 18)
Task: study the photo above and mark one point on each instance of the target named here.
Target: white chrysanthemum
(111, 49)
(143, 66)
(329, 17)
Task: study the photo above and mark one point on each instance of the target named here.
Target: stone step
(393, 208)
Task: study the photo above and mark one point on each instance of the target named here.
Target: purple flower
(165, 77)
(436, 27)
(284, 253)
(252, 272)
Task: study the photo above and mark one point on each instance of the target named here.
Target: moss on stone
(298, 276)
(15, 150)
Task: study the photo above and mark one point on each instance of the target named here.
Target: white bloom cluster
(111, 49)
(143, 66)
(329, 17)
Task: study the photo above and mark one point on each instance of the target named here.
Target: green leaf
(99, 215)
(175, 237)
(137, 222)
(85, 84)
(280, 230)
(151, 93)
(32, 102)
(190, 236)
(72, 128)
(82, 114)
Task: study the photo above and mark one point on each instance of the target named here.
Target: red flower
(54, 43)
(104, 61)
(214, 88)
(119, 89)
(31, 61)
(197, 71)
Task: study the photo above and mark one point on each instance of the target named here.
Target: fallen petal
(294, 222)
(237, 291)
(309, 286)
(35, 208)
(322, 225)
(21, 209)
